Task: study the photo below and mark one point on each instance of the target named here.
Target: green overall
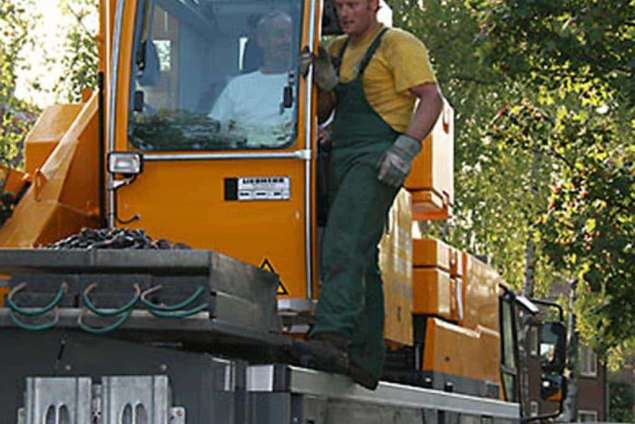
(351, 301)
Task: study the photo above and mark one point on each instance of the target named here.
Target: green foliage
(543, 93)
(16, 117)
(497, 198)
(80, 60)
(553, 41)
(577, 57)
(621, 402)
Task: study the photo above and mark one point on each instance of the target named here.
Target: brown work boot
(326, 352)
(362, 377)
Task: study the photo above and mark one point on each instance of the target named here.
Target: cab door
(238, 184)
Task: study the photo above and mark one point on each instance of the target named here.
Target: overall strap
(370, 52)
(337, 62)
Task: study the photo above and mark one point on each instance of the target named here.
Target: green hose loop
(109, 312)
(34, 327)
(179, 314)
(170, 308)
(103, 330)
(35, 312)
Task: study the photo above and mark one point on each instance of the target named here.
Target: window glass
(587, 416)
(509, 358)
(212, 74)
(588, 361)
(534, 408)
(508, 351)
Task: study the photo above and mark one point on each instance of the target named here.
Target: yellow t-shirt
(399, 63)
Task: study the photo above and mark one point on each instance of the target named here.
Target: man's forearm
(326, 104)
(427, 111)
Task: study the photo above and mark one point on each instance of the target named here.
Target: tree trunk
(570, 406)
(528, 291)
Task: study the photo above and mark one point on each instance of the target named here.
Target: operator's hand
(395, 163)
(323, 70)
(324, 138)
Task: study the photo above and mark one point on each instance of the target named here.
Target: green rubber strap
(103, 330)
(36, 311)
(110, 312)
(179, 314)
(33, 327)
(171, 308)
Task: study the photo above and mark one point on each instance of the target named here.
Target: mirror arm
(551, 304)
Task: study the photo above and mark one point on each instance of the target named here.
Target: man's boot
(362, 377)
(325, 352)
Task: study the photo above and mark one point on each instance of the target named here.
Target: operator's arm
(326, 79)
(326, 104)
(427, 110)
(412, 74)
(223, 106)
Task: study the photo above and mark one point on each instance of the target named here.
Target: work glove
(395, 163)
(323, 70)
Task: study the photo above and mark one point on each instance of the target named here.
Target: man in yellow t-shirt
(379, 76)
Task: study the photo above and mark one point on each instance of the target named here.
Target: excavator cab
(210, 112)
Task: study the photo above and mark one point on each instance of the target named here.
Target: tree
(543, 93)
(80, 59)
(16, 116)
(577, 55)
(493, 214)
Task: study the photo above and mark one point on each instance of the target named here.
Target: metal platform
(200, 299)
(340, 400)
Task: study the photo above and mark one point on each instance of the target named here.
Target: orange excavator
(104, 321)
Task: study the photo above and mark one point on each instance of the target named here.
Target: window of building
(588, 361)
(587, 416)
(534, 408)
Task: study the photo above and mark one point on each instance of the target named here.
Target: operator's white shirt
(253, 100)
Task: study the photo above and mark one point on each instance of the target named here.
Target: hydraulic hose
(34, 327)
(109, 312)
(103, 330)
(153, 307)
(35, 312)
(179, 314)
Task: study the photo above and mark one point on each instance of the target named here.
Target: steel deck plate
(285, 378)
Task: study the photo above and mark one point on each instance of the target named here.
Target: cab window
(508, 350)
(212, 74)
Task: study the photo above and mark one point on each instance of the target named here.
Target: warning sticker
(266, 265)
(264, 188)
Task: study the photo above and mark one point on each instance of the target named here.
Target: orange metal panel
(456, 262)
(431, 292)
(462, 352)
(481, 294)
(68, 173)
(431, 180)
(430, 252)
(47, 132)
(4, 291)
(11, 180)
(185, 202)
(395, 263)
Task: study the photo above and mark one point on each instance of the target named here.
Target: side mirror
(553, 347)
(553, 387)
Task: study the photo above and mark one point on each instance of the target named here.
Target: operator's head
(274, 38)
(356, 16)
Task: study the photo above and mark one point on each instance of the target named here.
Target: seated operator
(252, 103)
